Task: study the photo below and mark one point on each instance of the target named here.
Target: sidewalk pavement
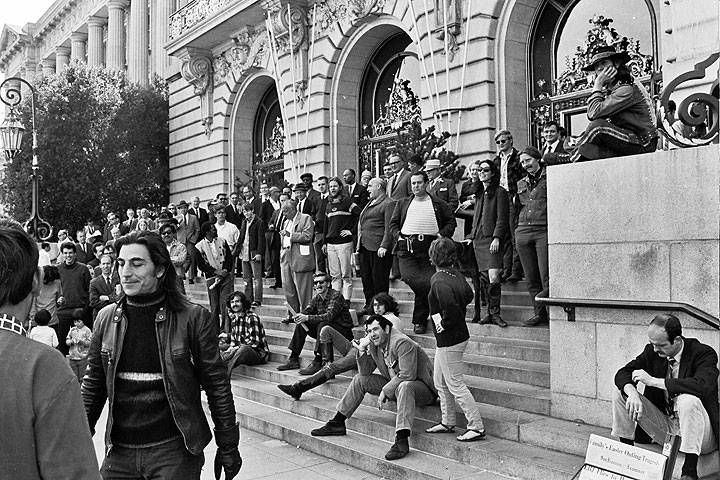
(264, 458)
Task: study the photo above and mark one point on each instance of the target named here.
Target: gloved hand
(228, 460)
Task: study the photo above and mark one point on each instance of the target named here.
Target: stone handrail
(192, 14)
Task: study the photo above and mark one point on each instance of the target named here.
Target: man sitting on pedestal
(681, 393)
(327, 308)
(405, 375)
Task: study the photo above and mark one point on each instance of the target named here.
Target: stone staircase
(507, 371)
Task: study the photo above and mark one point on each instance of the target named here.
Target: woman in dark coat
(466, 255)
(489, 233)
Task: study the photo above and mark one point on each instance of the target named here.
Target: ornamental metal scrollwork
(697, 122)
(574, 78)
(275, 145)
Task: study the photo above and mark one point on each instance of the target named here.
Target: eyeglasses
(319, 282)
(166, 232)
(485, 170)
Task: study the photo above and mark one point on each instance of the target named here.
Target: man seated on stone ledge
(620, 110)
(681, 393)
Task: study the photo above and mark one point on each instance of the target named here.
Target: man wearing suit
(439, 187)
(305, 205)
(252, 249)
(399, 184)
(274, 241)
(297, 258)
(268, 207)
(233, 211)
(112, 221)
(84, 250)
(103, 288)
(415, 223)
(553, 143)
(188, 233)
(681, 393)
(130, 224)
(508, 162)
(355, 191)
(312, 194)
(249, 195)
(374, 242)
(405, 374)
(201, 214)
(320, 257)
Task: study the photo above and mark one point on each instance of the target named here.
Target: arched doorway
(563, 36)
(269, 140)
(388, 102)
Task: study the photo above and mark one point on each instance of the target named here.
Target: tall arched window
(564, 34)
(387, 101)
(269, 140)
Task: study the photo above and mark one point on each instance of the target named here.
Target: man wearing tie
(305, 205)
(357, 192)
(84, 251)
(277, 221)
(103, 287)
(201, 214)
(680, 397)
(320, 257)
(441, 188)
(399, 183)
(188, 233)
(130, 224)
(233, 212)
(312, 194)
(553, 143)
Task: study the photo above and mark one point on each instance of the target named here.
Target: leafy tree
(102, 146)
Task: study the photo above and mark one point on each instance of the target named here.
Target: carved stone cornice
(332, 12)
(65, 21)
(197, 70)
(289, 23)
(249, 52)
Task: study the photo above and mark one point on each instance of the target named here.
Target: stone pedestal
(138, 41)
(116, 34)
(95, 41)
(62, 58)
(633, 228)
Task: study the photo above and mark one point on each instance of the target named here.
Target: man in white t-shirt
(226, 230)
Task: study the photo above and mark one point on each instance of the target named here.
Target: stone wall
(632, 228)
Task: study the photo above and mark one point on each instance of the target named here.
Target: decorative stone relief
(448, 21)
(66, 24)
(192, 14)
(196, 69)
(332, 12)
(249, 52)
(289, 26)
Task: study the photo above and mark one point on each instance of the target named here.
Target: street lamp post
(11, 132)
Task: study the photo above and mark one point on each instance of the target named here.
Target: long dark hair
(160, 256)
(495, 180)
(390, 304)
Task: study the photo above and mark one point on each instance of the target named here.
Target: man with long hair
(151, 353)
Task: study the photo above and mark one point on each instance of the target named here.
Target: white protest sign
(625, 461)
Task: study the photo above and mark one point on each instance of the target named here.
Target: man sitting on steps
(681, 393)
(327, 310)
(405, 375)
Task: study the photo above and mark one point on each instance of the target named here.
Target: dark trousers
(192, 255)
(511, 258)
(275, 264)
(532, 245)
(66, 319)
(603, 139)
(314, 326)
(167, 460)
(416, 270)
(320, 258)
(375, 273)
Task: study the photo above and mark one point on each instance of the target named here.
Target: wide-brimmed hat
(432, 164)
(605, 52)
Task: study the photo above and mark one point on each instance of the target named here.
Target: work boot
(398, 450)
(331, 428)
(298, 388)
(494, 297)
(313, 368)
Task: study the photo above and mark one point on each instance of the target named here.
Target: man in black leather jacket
(150, 354)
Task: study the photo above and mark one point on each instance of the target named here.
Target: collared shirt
(504, 161)
(286, 243)
(246, 243)
(332, 309)
(675, 368)
(228, 232)
(549, 147)
(248, 330)
(275, 204)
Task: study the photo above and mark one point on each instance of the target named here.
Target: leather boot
(495, 294)
(328, 356)
(298, 388)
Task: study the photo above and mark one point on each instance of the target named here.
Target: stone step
(507, 369)
(494, 454)
(513, 395)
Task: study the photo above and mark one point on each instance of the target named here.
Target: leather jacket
(190, 358)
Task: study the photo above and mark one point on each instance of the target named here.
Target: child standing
(42, 333)
(78, 340)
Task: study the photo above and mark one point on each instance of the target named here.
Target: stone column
(48, 66)
(139, 42)
(160, 15)
(116, 34)
(62, 58)
(95, 41)
(77, 46)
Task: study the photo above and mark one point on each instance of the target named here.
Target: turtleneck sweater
(141, 411)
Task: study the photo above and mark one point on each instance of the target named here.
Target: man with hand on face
(680, 397)
(140, 362)
(405, 374)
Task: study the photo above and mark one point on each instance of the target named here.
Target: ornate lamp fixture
(11, 133)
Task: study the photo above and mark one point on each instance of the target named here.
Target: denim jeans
(167, 460)
(252, 274)
(448, 379)
(338, 260)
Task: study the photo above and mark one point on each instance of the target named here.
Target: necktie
(669, 374)
(107, 281)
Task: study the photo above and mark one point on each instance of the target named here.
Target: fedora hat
(605, 52)
(182, 203)
(432, 164)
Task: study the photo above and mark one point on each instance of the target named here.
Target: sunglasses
(485, 170)
(319, 282)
